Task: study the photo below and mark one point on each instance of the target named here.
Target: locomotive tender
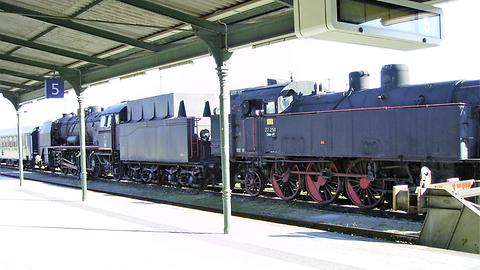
(149, 140)
(290, 136)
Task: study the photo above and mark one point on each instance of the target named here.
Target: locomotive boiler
(60, 143)
(66, 129)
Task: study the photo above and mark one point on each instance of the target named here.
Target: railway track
(342, 205)
(238, 195)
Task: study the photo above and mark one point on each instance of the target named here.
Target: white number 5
(55, 90)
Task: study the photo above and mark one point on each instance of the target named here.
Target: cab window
(271, 107)
(284, 103)
(109, 121)
(105, 120)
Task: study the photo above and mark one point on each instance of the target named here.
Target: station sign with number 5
(54, 88)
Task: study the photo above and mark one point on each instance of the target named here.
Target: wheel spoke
(254, 182)
(368, 196)
(322, 187)
(364, 192)
(285, 189)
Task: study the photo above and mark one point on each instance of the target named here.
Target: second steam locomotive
(292, 137)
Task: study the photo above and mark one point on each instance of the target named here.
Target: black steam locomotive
(292, 137)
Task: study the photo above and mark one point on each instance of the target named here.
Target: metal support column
(83, 151)
(225, 149)
(20, 146)
(217, 44)
(74, 78)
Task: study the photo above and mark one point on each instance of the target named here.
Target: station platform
(47, 227)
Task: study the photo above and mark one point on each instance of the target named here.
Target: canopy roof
(102, 39)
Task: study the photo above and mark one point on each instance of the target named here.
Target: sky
(325, 62)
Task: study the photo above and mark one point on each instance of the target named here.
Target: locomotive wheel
(321, 185)
(364, 192)
(76, 162)
(118, 172)
(135, 172)
(65, 171)
(130, 173)
(254, 182)
(74, 172)
(77, 170)
(95, 166)
(147, 175)
(286, 185)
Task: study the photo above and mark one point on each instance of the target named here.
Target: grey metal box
(159, 140)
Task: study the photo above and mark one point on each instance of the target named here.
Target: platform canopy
(103, 39)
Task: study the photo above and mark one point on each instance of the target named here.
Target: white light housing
(395, 24)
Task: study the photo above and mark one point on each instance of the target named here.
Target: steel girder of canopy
(238, 36)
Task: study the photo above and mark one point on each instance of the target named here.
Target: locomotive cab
(253, 113)
(109, 120)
